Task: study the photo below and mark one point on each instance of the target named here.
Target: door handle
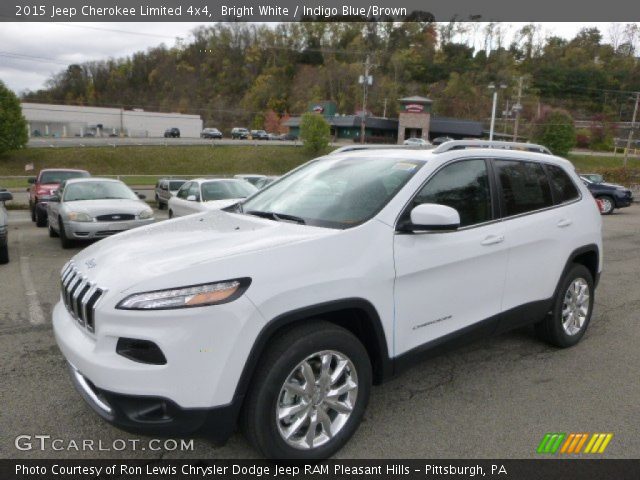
(565, 222)
(492, 240)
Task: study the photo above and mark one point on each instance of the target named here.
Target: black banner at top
(315, 10)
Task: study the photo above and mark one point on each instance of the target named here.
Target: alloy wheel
(575, 306)
(317, 399)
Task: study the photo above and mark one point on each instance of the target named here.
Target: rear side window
(463, 185)
(563, 188)
(524, 185)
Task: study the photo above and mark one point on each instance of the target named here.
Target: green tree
(13, 126)
(555, 130)
(314, 132)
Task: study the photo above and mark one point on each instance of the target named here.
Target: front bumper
(155, 415)
(93, 230)
(624, 201)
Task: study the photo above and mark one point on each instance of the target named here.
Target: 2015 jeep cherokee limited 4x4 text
(279, 313)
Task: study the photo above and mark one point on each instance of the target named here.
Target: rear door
(448, 281)
(534, 225)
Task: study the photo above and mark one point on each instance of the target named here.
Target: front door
(448, 281)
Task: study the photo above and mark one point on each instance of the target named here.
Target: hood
(129, 258)
(49, 188)
(218, 204)
(106, 207)
(612, 185)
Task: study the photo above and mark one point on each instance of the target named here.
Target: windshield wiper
(277, 216)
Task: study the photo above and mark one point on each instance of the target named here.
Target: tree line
(235, 74)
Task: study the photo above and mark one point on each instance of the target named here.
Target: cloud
(31, 52)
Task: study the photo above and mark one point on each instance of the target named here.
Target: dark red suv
(42, 188)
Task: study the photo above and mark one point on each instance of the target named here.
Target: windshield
(98, 191)
(59, 177)
(334, 193)
(226, 189)
(176, 184)
(594, 178)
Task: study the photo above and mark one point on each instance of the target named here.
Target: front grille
(107, 233)
(116, 217)
(80, 296)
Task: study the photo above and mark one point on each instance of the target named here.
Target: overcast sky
(31, 52)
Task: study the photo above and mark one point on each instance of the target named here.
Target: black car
(172, 133)
(611, 196)
(211, 133)
(259, 135)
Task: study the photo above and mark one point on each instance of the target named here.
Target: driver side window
(183, 193)
(463, 185)
(194, 190)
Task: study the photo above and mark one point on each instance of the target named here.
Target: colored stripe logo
(573, 443)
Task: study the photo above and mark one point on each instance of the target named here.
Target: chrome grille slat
(79, 296)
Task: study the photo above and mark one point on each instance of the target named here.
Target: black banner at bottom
(546, 469)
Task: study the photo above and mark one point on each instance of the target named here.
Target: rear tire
(608, 204)
(312, 379)
(4, 254)
(566, 324)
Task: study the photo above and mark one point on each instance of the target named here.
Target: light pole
(493, 109)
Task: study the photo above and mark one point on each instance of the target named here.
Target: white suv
(279, 313)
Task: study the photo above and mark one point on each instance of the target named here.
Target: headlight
(80, 217)
(187, 297)
(145, 214)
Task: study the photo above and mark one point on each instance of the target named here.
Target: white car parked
(203, 194)
(281, 312)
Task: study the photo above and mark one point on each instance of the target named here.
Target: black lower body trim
(156, 415)
(514, 318)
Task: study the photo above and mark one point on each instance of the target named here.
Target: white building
(72, 121)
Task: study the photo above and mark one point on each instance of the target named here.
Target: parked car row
(237, 133)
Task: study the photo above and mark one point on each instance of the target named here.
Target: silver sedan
(93, 208)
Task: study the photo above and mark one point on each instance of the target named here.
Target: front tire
(4, 254)
(309, 393)
(608, 204)
(64, 241)
(41, 218)
(33, 213)
(567, 323)
(52, 232)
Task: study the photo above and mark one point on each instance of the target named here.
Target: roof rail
(379, 146)
(461, 144)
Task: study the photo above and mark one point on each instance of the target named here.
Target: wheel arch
(357, 315)
(587, 255)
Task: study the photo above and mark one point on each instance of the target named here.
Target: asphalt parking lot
(492, 399)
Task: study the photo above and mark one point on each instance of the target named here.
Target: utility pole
(384, 110)
(366, 81)
(633, 126)
(518, 108)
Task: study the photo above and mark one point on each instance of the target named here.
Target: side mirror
(141, 196)
(31, 180)
(433, 217)
(191, 198)
(5, 196)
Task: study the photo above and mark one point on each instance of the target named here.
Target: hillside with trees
(254, 75)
